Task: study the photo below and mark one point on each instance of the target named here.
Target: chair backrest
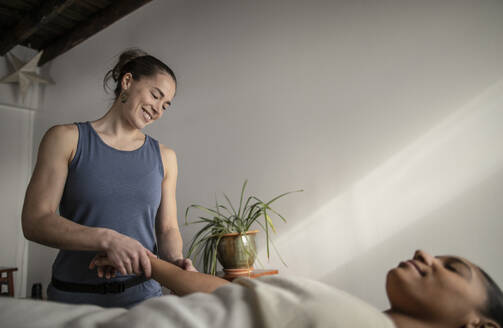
(7, 280)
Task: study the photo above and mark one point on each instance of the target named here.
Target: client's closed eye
(459, 267)
(451, 268)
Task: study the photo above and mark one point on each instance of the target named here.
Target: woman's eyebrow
(159, 90)
(162, 95)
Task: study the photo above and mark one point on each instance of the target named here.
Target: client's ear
(489, 324)
(478, 322)
(483, 324)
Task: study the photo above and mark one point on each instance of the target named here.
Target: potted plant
(226, 233)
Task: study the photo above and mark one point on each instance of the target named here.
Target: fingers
(128, 266)
(187, 263)
(92, 264)
(101, 262)
(109, 272)
(100, 272)
(104, 267)
(125, 256)
(136, 266)
(188, 266)
(178, 263)
(145, 264)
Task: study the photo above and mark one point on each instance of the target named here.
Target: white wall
(367, 105)
(15, 166)
(16, 148)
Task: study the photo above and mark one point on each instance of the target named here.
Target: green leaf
(225, 208)
(246, 208)
(266, 234)
(271, 209)
(229, 201)
(206, 240)
(282, 195)
(268, 219)
(201, 208)
(241, 198)
(214, 259)
(277, 253)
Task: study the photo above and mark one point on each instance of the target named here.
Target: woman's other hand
(185, 264)
(103, 266)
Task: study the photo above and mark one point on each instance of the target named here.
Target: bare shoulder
(62, 131)
(60, 139)
(168, 160)
(167, 153)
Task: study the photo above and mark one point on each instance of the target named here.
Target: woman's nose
(424, 257)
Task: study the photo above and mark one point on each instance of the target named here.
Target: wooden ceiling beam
(30, 23)
(88, 28)
(11, 13)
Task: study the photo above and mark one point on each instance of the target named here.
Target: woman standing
(115, 187)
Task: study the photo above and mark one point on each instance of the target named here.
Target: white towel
(268, 302)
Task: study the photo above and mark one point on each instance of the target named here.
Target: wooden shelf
(252, 274)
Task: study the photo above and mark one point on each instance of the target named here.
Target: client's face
(436, 288)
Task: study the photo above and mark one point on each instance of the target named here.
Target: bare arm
(180, 281)
(43, 225)
(183, 282)
(167, 230)
(40, 222)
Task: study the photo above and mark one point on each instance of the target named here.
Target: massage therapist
(115, 188)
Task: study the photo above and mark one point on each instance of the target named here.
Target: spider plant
(223, 219)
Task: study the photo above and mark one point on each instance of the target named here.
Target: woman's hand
(106, 270)
(125, 255)
(185, 264)
(103, 266)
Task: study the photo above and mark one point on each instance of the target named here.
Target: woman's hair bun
(137, 62)
(124, 58)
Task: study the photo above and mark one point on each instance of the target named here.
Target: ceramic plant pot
(237, 252)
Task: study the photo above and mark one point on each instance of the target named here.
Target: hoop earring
(123, 97)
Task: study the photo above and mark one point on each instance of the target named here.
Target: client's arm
(174, 278)
(183, 282)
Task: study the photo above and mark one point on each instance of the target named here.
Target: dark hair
(493, 309)
(139, 64)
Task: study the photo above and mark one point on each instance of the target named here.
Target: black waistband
(114, 287)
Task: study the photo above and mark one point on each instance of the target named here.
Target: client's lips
(414, 264)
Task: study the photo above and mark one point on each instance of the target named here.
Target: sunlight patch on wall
(451, 158)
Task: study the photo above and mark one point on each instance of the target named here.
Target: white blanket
(269, 302)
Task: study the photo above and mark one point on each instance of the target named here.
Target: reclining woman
(425, 291)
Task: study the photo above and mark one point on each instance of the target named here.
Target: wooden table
(7, 280)
(252, 274)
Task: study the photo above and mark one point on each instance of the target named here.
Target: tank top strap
(154, 147)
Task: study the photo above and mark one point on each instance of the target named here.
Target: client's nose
(424, 257)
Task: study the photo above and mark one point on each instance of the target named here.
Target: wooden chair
(7, 280)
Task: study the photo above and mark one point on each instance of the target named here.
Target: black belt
(114, 287)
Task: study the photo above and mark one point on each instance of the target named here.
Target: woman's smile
(146, 115)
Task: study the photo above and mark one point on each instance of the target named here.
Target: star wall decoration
(25, 73)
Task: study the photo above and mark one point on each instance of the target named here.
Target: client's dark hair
(493, 308)
(138, 63)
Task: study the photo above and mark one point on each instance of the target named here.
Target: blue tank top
(115, 189)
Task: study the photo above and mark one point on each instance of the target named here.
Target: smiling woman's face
(148, 97)
(441, 288)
